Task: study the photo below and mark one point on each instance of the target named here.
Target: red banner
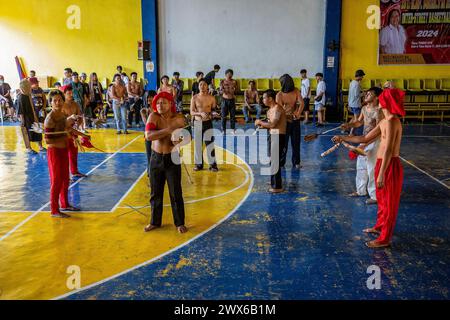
(414, 32)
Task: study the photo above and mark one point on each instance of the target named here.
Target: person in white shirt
(306, 93)
(355, 93)
(393, 36)
(320, 99)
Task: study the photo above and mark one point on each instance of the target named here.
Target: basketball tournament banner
(414, 32)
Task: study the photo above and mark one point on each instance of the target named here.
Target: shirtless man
(369, 117)
(291, 100)
(388, 170)
(119, 98)
(277, 125)
(227, 89)
(71, 108)
(202, 107)
(57, 153)
(160, 127)
(167, 87)
(251, 98)
(135, 92)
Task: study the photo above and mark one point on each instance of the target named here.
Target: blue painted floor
(307, 243)
(27, 189)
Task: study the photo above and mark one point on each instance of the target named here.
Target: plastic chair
(262, 84)
(276, 84)
(430, 85)
(445, 84)
(414, 84)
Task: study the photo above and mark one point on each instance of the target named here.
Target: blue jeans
(246, 110)
(120, 115)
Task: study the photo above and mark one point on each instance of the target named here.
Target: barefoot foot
(371, 230)
(150, 227)
(182, 229)
(376, 244)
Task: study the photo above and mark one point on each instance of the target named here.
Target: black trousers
(148, 151)
(136, 104)
(293, 132)
(275, 179)
(228, 106)
(205, 126)
(163, 169)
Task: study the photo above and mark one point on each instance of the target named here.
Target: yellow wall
(360, 48)
(36, 31)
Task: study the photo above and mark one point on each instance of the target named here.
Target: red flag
(20, 69)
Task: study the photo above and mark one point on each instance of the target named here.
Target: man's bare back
(289, 103)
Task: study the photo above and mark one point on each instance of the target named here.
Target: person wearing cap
(354, 97)
(38, 98)
(388, 169)
(370, 116)
(162, 129)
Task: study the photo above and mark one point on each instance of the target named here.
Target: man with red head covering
(388, 170)
(165, 164)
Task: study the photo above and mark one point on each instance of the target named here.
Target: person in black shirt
(28, 115)
(5, 98)
(209, 78)
(195, 88)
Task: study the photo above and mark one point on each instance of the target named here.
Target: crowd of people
(77, 103)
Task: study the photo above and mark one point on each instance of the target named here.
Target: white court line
(249, 190)
(129, 190)
(435, 179)
(70, 187)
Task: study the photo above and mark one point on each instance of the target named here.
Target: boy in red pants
(388, 170)
(72, 108)
(58, 156)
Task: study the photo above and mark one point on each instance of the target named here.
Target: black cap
(359, 73)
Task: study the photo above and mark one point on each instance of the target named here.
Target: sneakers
(198, 168)
(213, 168)
(119, 132)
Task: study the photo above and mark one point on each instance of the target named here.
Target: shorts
(306, 107)
(319, 107)
(355, 111)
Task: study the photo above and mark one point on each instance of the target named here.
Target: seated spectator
(251, 102)
(6, 100)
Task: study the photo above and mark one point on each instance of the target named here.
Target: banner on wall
(414, 32)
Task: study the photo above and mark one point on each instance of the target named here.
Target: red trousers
(58, 166)
(388, 199)
(73, 155)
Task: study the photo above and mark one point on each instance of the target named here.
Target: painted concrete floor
(307, 243)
